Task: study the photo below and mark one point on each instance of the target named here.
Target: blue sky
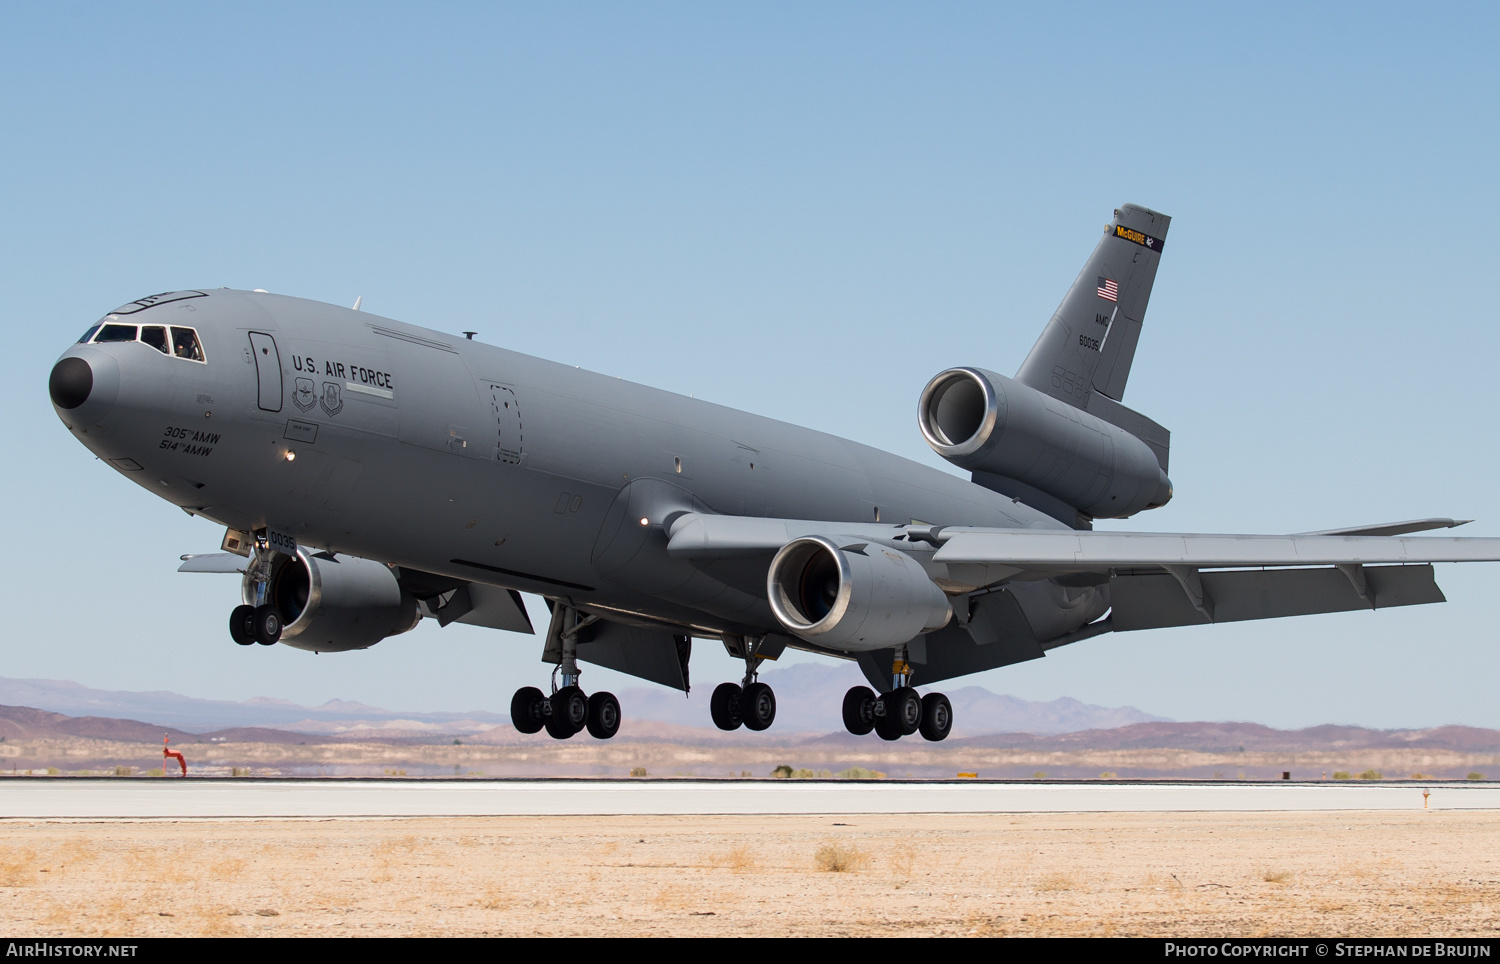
(804, 211)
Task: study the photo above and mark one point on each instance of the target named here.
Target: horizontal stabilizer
(213, 562)
(1157, 439)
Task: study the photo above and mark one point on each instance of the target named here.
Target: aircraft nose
(85, 384)
(71, 382)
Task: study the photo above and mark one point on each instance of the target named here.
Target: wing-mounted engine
(331, 603)
(1007, 433)
(855, 597)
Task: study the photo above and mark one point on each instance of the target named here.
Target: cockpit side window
(111, 333)
(87, 335)
(185, 344)
(156, 337)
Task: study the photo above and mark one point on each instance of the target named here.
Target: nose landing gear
(260, 622)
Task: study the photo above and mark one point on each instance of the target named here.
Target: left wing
(1155, 579)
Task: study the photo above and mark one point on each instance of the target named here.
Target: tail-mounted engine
(988, 423)
(331, 603)
(859, 597)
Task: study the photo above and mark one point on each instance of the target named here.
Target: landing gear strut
(900, 712)
(568, 711)
(749, 702)
(257, 622)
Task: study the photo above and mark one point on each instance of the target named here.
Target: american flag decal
(1108, 290)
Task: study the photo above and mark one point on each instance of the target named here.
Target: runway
(101, 799)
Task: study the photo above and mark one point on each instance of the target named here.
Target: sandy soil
(1340, 874)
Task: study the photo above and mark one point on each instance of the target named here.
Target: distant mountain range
(808, 698)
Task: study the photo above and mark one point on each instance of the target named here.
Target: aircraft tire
(265, 625)
(937, 717)
(525, 708)
(570, 712)
(724, 706)
(758, 706)
(904, 708)
(604, 716)
(859, 710)
(240, 629)
(885, 726)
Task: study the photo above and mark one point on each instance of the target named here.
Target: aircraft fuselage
(383, 440)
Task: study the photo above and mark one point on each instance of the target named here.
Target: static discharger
(167, 753)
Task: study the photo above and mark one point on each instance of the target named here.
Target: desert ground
(1419, 874)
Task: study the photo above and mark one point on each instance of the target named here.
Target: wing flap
(1155, 600)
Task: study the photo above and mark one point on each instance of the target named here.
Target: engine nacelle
(860, 597)
(985, 422)
(330, 604)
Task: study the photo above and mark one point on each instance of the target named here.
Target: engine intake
(985, 422)
(855, 598)
(331, 604)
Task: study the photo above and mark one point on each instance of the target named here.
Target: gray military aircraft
(371, 473)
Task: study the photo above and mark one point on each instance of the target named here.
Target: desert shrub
(637, 771)
(1371, 775)
(1107, 775)
(838, 858)
(1055, 882)
(1475, 775)
(1039, 775)
(1341, 774)
(860, 773)
(782, 772)
(124, 771)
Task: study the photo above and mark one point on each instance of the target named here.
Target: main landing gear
(748, 702)
(567, 711)
(900, 712)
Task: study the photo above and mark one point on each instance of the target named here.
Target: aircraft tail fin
(1089, 344)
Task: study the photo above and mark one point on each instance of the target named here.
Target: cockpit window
(185, 344)
(88, 334)
(110, 333)
(156, 337)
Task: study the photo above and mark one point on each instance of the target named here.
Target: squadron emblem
(303, 395)
(332, 401)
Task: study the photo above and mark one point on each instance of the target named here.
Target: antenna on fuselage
(357, 300)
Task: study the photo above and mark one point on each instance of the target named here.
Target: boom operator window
(183, 342)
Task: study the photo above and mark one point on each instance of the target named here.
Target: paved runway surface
(83, 798)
